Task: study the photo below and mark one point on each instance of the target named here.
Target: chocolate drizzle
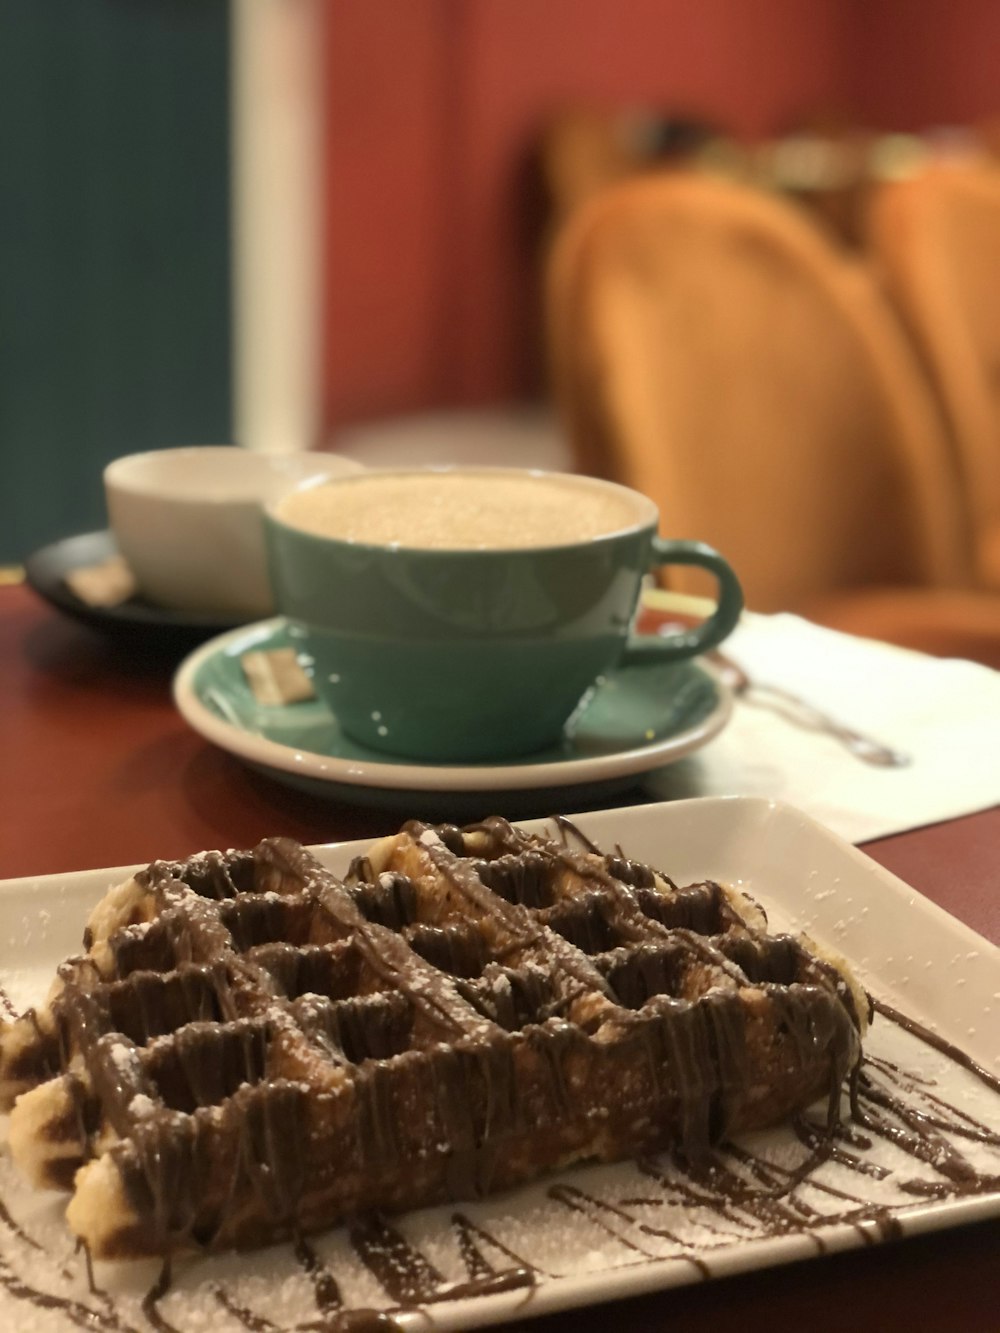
(452, 1015)
(6, 1004)
(77, 1313)
(326, 1292)
(954, 1053)
(739, 1195)
(152, 1298)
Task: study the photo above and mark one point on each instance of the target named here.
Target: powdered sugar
(592, 1231)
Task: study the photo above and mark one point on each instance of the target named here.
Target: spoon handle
(802, 713)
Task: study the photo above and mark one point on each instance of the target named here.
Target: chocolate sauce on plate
(727, 1195)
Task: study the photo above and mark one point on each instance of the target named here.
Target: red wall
(434, 107)
(386, 100)
(920, 64)
(748, 66)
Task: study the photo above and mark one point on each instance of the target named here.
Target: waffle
(251, 1049)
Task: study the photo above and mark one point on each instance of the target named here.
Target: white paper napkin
(944, 713)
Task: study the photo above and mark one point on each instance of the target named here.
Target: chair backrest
(584, 148)
(936, 238)
(710, 348)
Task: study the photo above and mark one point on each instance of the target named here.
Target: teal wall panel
(114, 247)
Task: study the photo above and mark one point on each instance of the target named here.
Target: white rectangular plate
(591, 1233)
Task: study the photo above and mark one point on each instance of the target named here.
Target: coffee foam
(461, 510)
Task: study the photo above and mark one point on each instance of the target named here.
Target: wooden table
(97, 769)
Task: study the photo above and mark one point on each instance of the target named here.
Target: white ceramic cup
(189, 521)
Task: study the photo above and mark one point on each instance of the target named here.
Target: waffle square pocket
(251, 1048)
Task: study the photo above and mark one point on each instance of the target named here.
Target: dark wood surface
(98, 769)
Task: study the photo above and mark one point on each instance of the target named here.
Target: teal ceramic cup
(468, 652)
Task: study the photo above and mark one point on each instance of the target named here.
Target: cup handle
(689, 642)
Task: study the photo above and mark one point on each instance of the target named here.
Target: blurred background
(331, 223)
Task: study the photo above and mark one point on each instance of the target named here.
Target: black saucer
(135, 621)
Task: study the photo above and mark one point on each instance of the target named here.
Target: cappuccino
(459, 615)
(464, 510)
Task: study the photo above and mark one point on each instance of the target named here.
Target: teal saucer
(632, 721)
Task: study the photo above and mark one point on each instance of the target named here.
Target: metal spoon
(804, 714)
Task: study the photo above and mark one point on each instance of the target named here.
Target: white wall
(277, 162)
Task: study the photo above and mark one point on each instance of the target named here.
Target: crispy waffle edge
(250, 1048)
